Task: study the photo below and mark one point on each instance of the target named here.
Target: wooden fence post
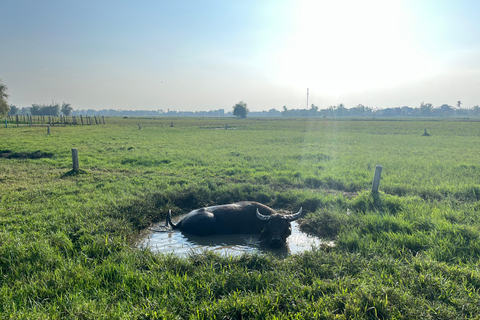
(75, 159)
(376, 178)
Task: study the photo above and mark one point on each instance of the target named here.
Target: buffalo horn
(261, 216)
(295, 216)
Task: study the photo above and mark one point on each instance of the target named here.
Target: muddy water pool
(174, 241)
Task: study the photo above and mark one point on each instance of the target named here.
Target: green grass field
(67, 242)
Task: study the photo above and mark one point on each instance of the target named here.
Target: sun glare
(351, 46)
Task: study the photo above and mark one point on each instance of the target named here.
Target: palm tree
(3, 90)
(3, 100)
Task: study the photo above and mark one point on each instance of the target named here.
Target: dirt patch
(25, 155)
(73, 172)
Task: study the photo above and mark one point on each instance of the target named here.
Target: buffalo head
(277, 228)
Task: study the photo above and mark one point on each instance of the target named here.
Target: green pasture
(67, 240)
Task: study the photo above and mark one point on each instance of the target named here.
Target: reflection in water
(174, 241)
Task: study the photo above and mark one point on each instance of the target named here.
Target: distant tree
(240, 110)
(426, 109)
(459, 103)
(13, 110)
(66, 109)
(462, 112)
(340, 110)
(476, 110)
(330, 111)
(51, 110)
(447, 110)
(4, 108)
(274, 113)
(24, 111)
(360, 110)
(45, 110)
(313, 111)
(35, 109)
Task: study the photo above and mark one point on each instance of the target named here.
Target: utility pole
(307, 98)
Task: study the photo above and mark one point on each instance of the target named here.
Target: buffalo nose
(276, 242)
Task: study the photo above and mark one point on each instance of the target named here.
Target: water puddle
(174, 241)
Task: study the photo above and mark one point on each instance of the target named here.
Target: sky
(206, 55)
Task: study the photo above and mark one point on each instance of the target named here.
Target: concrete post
(75, 159)
(376, 178)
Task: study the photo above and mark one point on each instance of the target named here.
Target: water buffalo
(242, 217)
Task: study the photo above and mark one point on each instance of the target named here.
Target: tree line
(240, 110)
(53, 109)
(424, 110)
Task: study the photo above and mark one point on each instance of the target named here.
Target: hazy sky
(204, 55)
